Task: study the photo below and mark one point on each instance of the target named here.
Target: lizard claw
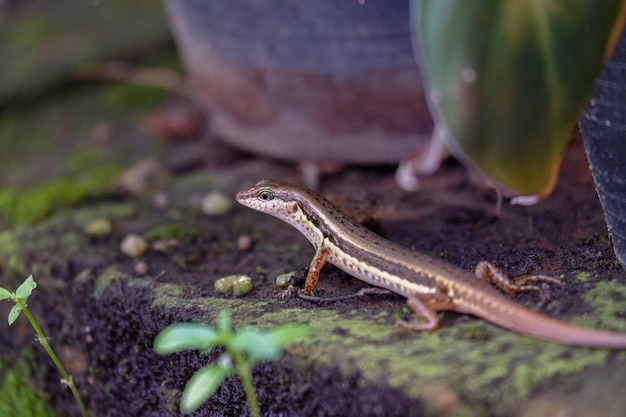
(290, 292)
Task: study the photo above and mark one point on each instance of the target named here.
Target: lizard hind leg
(426, 308)
(494, 275)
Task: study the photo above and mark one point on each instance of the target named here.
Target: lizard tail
(521, 320)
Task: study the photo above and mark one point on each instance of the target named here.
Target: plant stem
(245, 374)
(44, 342)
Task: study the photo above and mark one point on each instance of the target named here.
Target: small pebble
(99, 227)
(237, 284)
(215, 203)
(161, 200)
(144, 178)
(159, 246)
(165, 245)
(284, 280)
(141, 268)
(224, 285)
(243, 285)
(244, 242)
(133, 245)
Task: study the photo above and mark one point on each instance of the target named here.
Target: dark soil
(106, 326)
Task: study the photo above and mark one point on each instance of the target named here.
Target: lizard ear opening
(293, 207)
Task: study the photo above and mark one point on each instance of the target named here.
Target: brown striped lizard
(429, 284)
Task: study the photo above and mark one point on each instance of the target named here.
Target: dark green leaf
(184, 336)
(201, 386)
(506, 80)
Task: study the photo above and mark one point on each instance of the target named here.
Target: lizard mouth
(242, 196)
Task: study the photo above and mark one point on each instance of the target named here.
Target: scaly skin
(429, 284)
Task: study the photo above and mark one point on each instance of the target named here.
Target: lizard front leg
(314, 270)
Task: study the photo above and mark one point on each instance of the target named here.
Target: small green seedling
(19, 297)
(243, 349)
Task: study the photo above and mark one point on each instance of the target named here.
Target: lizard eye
(264, 195)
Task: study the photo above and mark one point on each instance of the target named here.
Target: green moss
(468, 356)
(137, 97)
(18, 397)
(10, 254)
(476, 332)
(63, 36)
(172, 231)
(32, 205)
(81, 161)
(13, 130)
(582, 276)
(33, 31)
(608, 299)
(107, 277)
(84, 215)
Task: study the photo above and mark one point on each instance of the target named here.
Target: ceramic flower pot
(603, 128)
(307, 81)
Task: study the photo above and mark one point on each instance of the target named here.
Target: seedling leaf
(286, 335)
(27, 287)
(184, 336)
(14, 313)
(257, 345)
(201, 386)
(5, 294)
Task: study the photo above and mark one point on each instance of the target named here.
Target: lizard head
(278, 198)
(298, 206)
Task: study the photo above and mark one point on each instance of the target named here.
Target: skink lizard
(429, 284)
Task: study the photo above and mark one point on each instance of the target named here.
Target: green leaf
(506, 80)
(5, 294)
(14, 313)
(184, 336)
(268, 345)
(287, 335)
(201, 386)
(257, 345)
(27, 287)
